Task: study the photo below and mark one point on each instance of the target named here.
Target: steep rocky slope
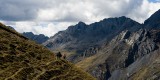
(79, 39)
(129, 55)
(22, 59)
(126, 56)
(38, 38)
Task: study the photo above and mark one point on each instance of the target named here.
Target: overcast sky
(50, 16)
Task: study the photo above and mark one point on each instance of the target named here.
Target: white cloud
(144, 11)
(47, 28)
(153, 7)
(50, 16)
(141, 12)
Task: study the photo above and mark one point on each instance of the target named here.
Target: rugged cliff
(125, 56)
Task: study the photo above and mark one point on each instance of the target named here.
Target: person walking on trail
(58, 55)
(64, 56)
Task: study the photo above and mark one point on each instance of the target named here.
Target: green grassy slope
(22, 59)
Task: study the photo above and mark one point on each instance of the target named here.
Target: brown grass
(21, 59)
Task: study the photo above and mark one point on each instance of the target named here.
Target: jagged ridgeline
(22, 59)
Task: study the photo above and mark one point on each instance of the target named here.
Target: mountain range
(37, 38)
(82, 37)
(114, 48)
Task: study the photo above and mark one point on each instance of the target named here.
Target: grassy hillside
(22, 59)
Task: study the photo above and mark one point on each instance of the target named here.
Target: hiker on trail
(64, 56)
(59, 55)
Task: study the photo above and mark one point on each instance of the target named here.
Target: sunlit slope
(22, 59)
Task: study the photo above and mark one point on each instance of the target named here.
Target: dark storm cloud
(17, 10)
(25, 10)
(71, 10)
(64, 10)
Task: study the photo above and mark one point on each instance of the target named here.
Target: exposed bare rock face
(124, 56)
(142, 53)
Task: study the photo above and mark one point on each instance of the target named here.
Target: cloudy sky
(50, 16)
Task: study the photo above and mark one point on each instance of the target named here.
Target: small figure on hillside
(64, 56)
(59, 55)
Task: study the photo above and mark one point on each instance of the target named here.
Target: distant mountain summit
(38, 38)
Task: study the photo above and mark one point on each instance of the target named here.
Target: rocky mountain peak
(153, 22)
(81, 23)
(80, 26)
(119, 20)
